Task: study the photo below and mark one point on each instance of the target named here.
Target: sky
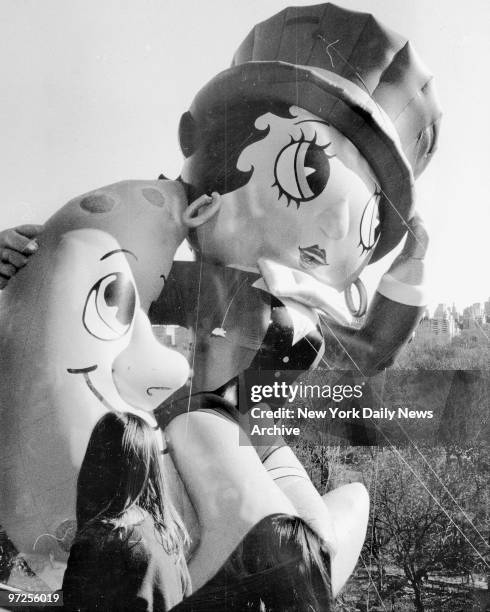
(92, 92)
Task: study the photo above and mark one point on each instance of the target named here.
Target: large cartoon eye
(369, 226)
(110, 305)
(302, 170)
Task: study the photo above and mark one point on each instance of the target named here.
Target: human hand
(17, 244)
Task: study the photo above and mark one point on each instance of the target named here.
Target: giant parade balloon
(75, 343)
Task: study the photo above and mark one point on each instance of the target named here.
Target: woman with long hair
(129, 550)
(280, 566)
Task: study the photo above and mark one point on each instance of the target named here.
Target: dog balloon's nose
(147, 372)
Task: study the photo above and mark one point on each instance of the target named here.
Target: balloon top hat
(348, 70)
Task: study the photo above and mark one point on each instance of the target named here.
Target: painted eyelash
(365, 249)
(281, 191)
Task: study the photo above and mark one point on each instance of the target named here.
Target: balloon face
(107, 346)
(311, 203)
(75, 344)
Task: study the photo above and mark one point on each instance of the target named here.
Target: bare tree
(422, 514)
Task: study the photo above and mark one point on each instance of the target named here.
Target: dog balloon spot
(97, 203)
(154, 197)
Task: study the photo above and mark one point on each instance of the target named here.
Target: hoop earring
(362, 293)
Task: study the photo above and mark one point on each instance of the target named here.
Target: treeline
(427, 541)
(468, 351)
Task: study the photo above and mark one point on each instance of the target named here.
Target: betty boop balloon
(313, 138)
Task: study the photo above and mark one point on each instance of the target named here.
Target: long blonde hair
(122, 472)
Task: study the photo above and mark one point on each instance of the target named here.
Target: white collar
(288, 283)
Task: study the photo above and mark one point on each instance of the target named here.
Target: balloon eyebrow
(312, 121)
(118, 251)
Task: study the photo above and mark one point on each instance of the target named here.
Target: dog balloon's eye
(110, 306)
(302, 170)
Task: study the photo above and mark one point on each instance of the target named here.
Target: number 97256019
(31, 598)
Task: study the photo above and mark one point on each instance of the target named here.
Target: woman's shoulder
(145, 535)
(125, 561)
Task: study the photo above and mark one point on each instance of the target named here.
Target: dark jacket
(121, 570)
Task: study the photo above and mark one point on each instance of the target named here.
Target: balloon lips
(144, 216)
(75, 344)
